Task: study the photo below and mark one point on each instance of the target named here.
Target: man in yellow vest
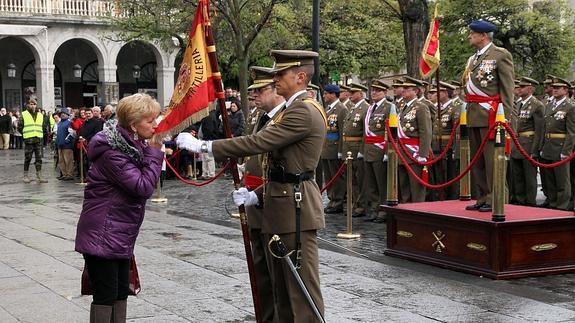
(31, 128)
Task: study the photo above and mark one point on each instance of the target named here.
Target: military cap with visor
(263, 76)
(560, 82)
(287, 58)
(527, 81)
(379, 84)
(444, 86)
(354, 87)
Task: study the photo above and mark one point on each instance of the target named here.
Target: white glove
(359, 155)
(245, 197)
(339, 155)
(563, 156)
(421, 159)
(384, 158)
(188, 142)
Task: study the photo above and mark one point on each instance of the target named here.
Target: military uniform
(414, 132)
(291, 143)
(558, 142)
(489, 80)
(375, 177)
(347, 103)
(252, 120)
(448, 168)
(529, 129)
(353, 128)
(332, 155)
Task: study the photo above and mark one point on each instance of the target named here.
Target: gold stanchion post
(499, 169)
(392, 161)
(465, 184)
(159, 198)
(194, 170)
(349, 179)
(82, 182)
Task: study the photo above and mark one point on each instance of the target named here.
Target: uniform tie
(263, 120)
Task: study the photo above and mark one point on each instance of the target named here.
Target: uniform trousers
(286, 288)
(482, 172)
(33, 146)
(441, 172)
(109, 279)
(375, 184)
(336, 192)
(558, 185)
(410, 190)
(358, 194)
(524, 178)
(262, 267)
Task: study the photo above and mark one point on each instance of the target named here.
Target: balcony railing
(83, 8)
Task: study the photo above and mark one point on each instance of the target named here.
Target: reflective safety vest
(32, 128)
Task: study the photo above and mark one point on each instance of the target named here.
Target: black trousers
(109, 279)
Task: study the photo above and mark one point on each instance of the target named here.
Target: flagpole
(439, 133)
(217, 79)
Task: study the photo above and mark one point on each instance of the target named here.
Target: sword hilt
(277, 248)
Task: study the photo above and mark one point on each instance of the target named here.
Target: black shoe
(369, 219)
(379, 219)
(544, 204)
(474, 207)
(357, 215)
(486, 208)
(332, 210)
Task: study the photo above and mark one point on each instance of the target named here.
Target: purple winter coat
(123, 175)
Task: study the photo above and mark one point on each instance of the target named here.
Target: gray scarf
(118, 142)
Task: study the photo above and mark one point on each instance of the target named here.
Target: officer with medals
(529, 129)
(266, 98)
(353, 128)
(291, 142)
(253, 115)
(488, 81)
(332, 155)
(375, 177)
(558, 142)
(398, 94)
(448, 168)
(414, 133)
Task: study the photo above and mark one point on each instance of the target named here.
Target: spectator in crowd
(97, 112)
(91, 125)
(65, 144)
(125, 170)
(209, 131)
(236, 119)
(31, 126)
(108, 113)
(229, 93)
(5, 126)
(17, 136)
(53, 135)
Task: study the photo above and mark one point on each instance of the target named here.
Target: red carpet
(512, 212)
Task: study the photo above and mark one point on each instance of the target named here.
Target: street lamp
(136, 71)
(77, 70)
(11, 68)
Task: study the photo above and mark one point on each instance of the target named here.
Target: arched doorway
(136, 72)
(78, 62)
(17, 53)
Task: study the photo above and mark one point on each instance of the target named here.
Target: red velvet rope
(219, 174)
(175, 154)
(438, 158)
(332, 180)
(84, 146)
(529, 158)
(452, 181)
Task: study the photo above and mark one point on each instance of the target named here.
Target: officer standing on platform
(414, 133)
(558, 142)
(448, 168)
(291, 142)
(529, 130)
(265, 96)
(332, 155)
(489, 81)
(374, 150)
(353, 142)
(31, 127)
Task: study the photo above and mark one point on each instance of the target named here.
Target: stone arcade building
(62, 53)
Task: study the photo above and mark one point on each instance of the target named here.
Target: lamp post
(11, 69)
(77, 71)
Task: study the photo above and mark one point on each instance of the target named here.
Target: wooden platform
(531, 242)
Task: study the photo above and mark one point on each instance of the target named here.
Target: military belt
(527, 134)
(279, 176)
(443, 137)
(352, 138)
(555, 135)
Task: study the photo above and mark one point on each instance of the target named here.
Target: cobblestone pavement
(192, 266)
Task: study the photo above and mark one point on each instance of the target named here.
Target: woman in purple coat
(124, 172)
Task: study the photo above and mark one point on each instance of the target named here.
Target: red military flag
(194, 89)
(430, 53)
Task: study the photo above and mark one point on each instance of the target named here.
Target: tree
(236, 23)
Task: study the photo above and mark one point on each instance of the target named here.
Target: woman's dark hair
(237, 102)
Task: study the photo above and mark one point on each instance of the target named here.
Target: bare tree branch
(396, 13)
